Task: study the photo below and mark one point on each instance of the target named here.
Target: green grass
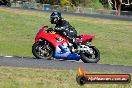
(18, 29)
(11, 77)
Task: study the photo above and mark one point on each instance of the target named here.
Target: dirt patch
(104, 22)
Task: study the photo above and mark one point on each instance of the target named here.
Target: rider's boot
(75, 45)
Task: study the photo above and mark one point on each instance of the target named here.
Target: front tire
(91, 58)
(42, 50)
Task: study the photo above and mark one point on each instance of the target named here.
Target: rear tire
(87, 58)
(42, 50)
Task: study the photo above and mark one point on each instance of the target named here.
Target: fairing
(65, 53)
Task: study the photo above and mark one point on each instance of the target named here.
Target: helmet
(54, 17)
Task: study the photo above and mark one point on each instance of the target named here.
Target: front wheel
(91, 58)
(42, 50)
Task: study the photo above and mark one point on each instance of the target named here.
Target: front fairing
(53, 38)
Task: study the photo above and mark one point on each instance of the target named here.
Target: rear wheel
(42, 50)
(91, 58)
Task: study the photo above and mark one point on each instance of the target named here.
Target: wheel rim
(92, 56)
(43, 49)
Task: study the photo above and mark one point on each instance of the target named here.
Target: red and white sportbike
(48, 44)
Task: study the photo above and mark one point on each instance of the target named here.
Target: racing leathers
(67, 31)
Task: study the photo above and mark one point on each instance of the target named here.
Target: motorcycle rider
(64, 28)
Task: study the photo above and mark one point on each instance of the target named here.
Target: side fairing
(62, 52)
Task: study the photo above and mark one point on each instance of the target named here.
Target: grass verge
(12, 77)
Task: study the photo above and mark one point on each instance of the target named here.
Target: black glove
(49, 29)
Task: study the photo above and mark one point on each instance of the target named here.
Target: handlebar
(49, 30)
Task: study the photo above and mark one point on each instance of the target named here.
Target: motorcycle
(49, 44)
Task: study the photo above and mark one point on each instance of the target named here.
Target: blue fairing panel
(64, 53)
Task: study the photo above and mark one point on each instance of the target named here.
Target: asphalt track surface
(57, 64)
(62, 65)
